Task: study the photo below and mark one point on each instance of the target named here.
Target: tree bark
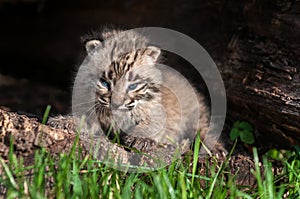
(261, 73)
(26, 135)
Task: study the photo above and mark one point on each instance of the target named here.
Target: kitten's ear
(91, 45)
(153, 53)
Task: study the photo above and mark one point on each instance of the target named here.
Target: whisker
(84, 103)
(91, 109)
(90, 114)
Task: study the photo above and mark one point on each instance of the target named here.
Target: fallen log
(29, 135)
(262, 81)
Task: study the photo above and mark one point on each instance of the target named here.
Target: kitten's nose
(116, 100)
(115, 105)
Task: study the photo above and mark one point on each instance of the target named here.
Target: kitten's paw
(62, 122)
(139, 143)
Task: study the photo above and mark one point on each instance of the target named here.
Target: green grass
(75, 177)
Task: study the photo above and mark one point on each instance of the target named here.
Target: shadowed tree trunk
(262, 71)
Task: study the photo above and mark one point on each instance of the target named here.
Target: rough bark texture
(262, 73)
(28, 135)
(265, 86)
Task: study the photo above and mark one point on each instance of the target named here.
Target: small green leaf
(236, 124)
(246, 126)
(247, 137)
(234, 134)
(275, 154)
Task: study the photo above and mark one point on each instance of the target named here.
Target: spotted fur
(125, 87)
(133, 96)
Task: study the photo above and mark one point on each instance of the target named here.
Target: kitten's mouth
(123, 107)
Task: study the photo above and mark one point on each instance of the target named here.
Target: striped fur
(125, 86)
(135, 96)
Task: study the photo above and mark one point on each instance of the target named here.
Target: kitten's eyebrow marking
(136, 77)
(103, 75)
(110, 74)
(130, 76)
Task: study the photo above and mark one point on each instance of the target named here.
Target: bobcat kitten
(121, 86)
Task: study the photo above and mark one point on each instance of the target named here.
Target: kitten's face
(129, 81)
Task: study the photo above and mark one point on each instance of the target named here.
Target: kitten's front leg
(136, 139)
(143, 144)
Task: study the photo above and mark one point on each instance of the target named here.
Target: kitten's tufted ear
(91, 45)
(153, 53)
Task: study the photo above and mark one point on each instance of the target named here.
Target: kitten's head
(130, 80)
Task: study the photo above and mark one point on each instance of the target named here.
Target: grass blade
(196, 155)
(46, 114)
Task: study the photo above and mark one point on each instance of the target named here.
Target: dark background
(40, 39)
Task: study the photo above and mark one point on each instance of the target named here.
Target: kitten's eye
(132, 86)
(105, 83)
